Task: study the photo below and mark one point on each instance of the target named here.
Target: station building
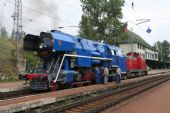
(136, 44)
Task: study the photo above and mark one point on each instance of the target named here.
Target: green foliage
(101, 19)
(121, 37)
(21, 35)
(29, 56)
(7, 61)
(163, 49)
(13, 34)
(4, 33)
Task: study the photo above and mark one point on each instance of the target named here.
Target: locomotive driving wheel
(53, 86)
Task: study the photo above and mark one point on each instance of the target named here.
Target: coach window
(144, 48)
(145, 55)
(155, 56)
(152, 56)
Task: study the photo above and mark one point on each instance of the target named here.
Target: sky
(43, 15)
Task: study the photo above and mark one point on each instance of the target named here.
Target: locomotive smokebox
(43, 44)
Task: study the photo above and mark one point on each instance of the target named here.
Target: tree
(166, 50)
(4, 33)
(163, 49)
(21, 35)
(13, 34)
(101, 19)
(158, 47)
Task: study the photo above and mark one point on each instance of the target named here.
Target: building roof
(136, 39)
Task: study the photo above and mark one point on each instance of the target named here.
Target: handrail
(59, 68)
(51, 65)
(56, 64)
(80, 56)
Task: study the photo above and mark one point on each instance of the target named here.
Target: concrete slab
(13, 86)
(156, 100)
(158, 71)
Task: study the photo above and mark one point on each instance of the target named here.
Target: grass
(8, 69)
(7, 61)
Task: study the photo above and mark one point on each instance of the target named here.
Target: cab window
(114, 52)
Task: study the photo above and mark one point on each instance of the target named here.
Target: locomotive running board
(79, 56)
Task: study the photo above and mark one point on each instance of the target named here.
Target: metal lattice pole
(1, 18)
(17, 29)
(17, 25)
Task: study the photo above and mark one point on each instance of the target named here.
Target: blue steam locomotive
(70, 60)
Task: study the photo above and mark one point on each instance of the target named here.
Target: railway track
(104, 100)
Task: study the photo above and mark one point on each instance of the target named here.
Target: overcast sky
(44, 15)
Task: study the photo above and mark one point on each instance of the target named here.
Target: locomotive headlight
(41, 47)
(45, 46)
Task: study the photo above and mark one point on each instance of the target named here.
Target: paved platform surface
(156, 100)
(23, 103)
(15, 86)
(157, 71)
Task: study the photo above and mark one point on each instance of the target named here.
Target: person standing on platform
(101, 74)
(97, 74)
(118, 76)
(106, 74)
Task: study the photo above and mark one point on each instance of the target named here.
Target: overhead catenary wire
(42, 13)
(134, 10)
(69, 5)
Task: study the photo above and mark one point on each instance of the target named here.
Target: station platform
(16, 86)
(13, 86)
(151, 72)
(156, 100)
(32, 101)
